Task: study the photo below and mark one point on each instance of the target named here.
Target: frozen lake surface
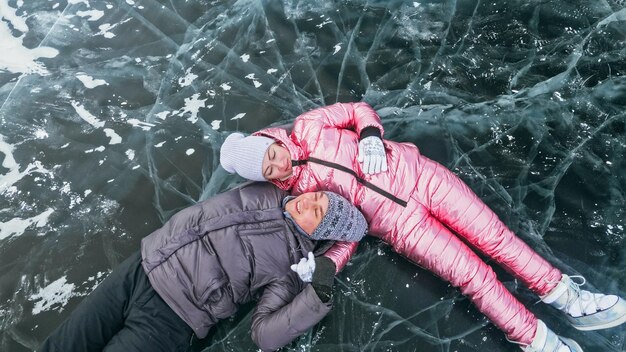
(112, 114)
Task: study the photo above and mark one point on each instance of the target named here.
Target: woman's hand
(372, 155)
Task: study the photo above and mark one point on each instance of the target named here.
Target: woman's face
(308, 210)
(277, 163)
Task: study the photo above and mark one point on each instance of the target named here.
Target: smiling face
(308, 210)
(276, 163)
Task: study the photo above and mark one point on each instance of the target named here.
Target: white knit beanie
(244, 155)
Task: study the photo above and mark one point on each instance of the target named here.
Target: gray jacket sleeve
(282, 314)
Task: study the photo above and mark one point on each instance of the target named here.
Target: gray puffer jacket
(231, 249)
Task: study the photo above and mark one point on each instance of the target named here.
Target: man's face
(276, 163)
(308, 210)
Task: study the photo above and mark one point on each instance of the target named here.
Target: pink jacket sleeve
(340, 253)
(354, 116)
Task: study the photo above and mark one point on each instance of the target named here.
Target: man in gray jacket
(251, 243)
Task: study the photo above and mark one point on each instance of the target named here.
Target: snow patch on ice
(326, 21)
(105, 30)
(115, 138)
(10, 14)
(17, 226)
(188, 79)
(57, 292)
(13, 175)
(256, 83)
(93, 15)
(86, 115)
(162, 115)
(98, 149)
(89, 82)
(146, 126)
(41, 134)
(193, 105)
(21, 59)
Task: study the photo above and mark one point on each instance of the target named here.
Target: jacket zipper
(365, 183)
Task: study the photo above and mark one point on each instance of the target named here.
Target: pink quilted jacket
(325, 142)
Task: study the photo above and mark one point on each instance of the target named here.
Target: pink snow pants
(443, 202)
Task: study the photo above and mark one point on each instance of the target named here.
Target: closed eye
(268, 170)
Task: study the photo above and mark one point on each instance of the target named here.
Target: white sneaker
(547, 341)
(586, 310)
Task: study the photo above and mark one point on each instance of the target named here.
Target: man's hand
(305, 268)
(372, 155)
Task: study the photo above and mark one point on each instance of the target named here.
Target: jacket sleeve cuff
(340, 253)
(369, 131)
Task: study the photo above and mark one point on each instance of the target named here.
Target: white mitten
(305, 268)
(372, 155)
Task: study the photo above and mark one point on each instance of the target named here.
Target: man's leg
(100, 315)
(151, 325)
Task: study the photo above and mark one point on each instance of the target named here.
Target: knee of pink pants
(441, 252)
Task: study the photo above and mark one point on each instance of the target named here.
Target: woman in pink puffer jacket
(421, 209)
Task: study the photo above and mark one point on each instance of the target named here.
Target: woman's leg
(100, 315)
(431, 245)
(453, 203)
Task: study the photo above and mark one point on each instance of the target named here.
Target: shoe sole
(573, 345)
(608, 325)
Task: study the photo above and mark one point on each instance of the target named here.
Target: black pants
(123, 314)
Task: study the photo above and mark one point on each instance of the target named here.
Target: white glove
(372, 155)
(305, 268)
